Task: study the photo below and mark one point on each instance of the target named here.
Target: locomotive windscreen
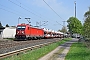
(21, 27)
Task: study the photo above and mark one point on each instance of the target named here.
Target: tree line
(86, 25)
(2, 26)
(75, 25)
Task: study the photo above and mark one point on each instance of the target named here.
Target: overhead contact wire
(9, 11)
(25, 9)
(53, 10)
(14, 10)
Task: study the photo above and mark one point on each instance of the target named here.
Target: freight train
(26, 31)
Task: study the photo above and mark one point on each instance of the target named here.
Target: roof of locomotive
(23, 24)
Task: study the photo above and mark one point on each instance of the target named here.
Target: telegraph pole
(89, 8)
(75, 8)
(18, 20)
(64, 23)
(64, 27)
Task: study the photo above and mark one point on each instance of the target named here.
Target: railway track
(15, 47)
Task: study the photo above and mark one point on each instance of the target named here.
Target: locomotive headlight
(17, 32)
(22, 32)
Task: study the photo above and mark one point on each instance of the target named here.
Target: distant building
(9, 32)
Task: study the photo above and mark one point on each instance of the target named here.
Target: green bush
(78, 51)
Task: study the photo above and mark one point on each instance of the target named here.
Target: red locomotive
(25, 31)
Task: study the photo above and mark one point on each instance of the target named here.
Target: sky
(40, 13)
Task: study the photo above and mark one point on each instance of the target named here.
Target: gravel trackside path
(10, 45)
(56, 55)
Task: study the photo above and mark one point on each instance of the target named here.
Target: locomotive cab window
(21, 27)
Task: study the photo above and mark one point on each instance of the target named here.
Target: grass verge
(78, 51)
(37, 53)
